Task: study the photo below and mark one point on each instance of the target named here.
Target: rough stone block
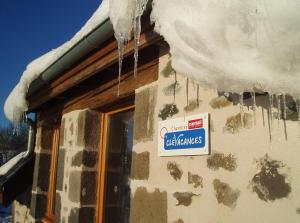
(62, 132)
(38, 206)
(57, 208)
(84, 187)
(89, 129)
(140, 166)
(60, 169)
(184, 198)
(220, 102)
(225, 194)
(193, 105)
(220, 160)
(41, 172)
(144, 114)
(85, 158)
(174, 170)
(168, 111)
(149, 207)
(271, 182)
(234, 123)
(79, 215)
(195, 179)
(46, 138)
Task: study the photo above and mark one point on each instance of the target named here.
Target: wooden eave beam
(102, 59)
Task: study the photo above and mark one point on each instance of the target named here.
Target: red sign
(197, 123)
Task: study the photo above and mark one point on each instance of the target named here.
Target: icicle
(254, 107)
(271, 109)
(269, 125)
(187, 92)
(140, 6)
(137, 34)
(25, 116)
(242, 108)
(284, 106)
(263, 116)
(197, 94)
(16, 129)
(175, 85)
(121, 47)
(17, 123)
(270, 117)
(284, 115)
(278, 108)
(298, 112)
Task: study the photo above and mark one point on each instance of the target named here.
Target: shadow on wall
(264, 100)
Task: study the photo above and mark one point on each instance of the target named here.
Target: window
(115, 164)
(52, 181)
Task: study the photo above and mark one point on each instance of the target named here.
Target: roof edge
(86, 45)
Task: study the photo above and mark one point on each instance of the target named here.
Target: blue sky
(31, 28)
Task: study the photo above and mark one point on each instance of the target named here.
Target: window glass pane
(119, 152)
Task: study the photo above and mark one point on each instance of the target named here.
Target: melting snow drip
(254, 107)
(284, 115)
(242, 108)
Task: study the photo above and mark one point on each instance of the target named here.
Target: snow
(16, 103)
(234, 45)
(229, 45)
(11, 163)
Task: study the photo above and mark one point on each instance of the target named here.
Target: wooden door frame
(49, 217)
(102, 159)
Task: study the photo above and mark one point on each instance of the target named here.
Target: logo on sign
(195, 124)
(190, 139)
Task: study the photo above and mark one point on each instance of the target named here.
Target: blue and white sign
(184, 136)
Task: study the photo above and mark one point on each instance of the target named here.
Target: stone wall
(76, 187)
(246, 178)
(77, 171)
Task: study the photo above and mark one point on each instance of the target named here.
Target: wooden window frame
(49, 218)
(102, 159)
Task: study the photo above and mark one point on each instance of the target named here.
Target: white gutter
(4, 169)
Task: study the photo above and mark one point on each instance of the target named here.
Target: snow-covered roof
(230, 45)
(16, 103)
